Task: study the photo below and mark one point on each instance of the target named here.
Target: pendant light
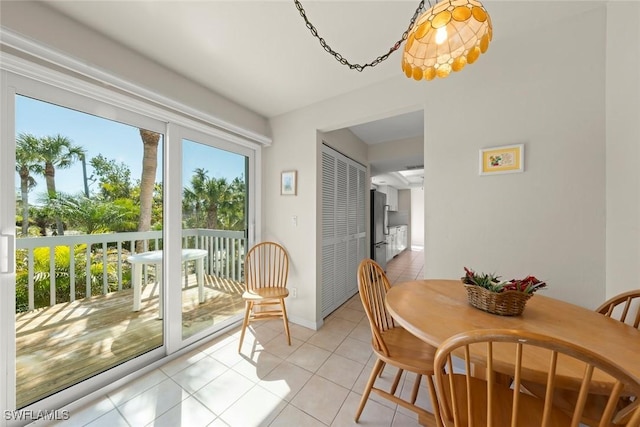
(445, 38)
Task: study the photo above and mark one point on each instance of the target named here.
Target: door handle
(7, 252)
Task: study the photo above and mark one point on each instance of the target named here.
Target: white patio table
(155, 258)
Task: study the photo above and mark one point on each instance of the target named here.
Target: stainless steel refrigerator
(379, 227)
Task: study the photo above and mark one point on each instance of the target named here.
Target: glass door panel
(88, 204)
(214, 223)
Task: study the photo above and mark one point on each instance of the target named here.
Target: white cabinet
(402, 238)
(392, 198)
(391, 243)
(396, 240)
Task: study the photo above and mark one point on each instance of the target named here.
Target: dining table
(434, 310)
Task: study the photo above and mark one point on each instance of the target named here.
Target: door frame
(35, 80)
(13, 85)
(173, 303)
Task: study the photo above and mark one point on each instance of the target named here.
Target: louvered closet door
(328, 229)
(341, 265)
(352, 228)
(361, 235)
(343, 227)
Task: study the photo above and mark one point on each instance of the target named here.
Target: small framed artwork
(506, 159)
(288, 183)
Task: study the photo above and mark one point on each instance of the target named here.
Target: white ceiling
(401, 180)
(260, 54)
(392, 171)
(407, 125)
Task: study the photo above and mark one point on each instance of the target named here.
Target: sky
(115, 141)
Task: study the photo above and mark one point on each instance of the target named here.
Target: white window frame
(174, 210)
(67, 90)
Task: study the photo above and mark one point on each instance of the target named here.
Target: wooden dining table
(434, 310)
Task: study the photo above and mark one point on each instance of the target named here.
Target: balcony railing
(225, 258)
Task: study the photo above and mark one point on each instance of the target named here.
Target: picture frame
(288, 183)
(500, 160)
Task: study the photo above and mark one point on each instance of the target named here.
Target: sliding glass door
(215, 205)
(122, 239)
(88, 200)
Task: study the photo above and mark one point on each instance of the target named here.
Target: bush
(62, 258)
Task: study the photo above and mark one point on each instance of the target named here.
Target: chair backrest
(266, 266)
(508, 354)
(624, 307)
(373, 286)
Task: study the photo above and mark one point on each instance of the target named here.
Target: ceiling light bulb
(441, 35)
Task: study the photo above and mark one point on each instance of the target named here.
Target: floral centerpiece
(488, 293)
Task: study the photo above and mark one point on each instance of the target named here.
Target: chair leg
(286, 320)
(396, 381)
(416, 386)
(434, 401)
(245, 323)
(367, 390)
(382, 369)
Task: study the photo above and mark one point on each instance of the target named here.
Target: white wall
(540, 89)
(299, 148)
(623, 146)
(417, 218)
(550, 220)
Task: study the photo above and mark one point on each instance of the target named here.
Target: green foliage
(214, 203)
(90, 216)
(42, 217)
(26, 166)
(528, 285)
(62, 274)
(130, 213)
(156, 207)
(114, 206)
(483, 280)
(113, 178)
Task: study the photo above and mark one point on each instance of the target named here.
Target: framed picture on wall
(288, 183)
(505, 159)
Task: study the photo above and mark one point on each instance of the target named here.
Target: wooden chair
(624, 307)
(466, 400)
(266, 269)
(392, 344)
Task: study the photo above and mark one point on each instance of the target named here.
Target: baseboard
(305, 323)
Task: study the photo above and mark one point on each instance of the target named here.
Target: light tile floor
(317, 381)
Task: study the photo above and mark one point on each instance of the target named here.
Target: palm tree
(57, 152)
(237, 209)
(192, 200)
(26, 166)
(150, 141)
(89, 215)
(208, 194)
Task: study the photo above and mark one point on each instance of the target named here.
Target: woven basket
(507, 303)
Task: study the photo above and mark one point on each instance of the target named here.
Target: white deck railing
(224, 259)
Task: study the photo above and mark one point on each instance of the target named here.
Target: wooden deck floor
(61, 345)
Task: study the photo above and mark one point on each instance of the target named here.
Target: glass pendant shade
(445, 38)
